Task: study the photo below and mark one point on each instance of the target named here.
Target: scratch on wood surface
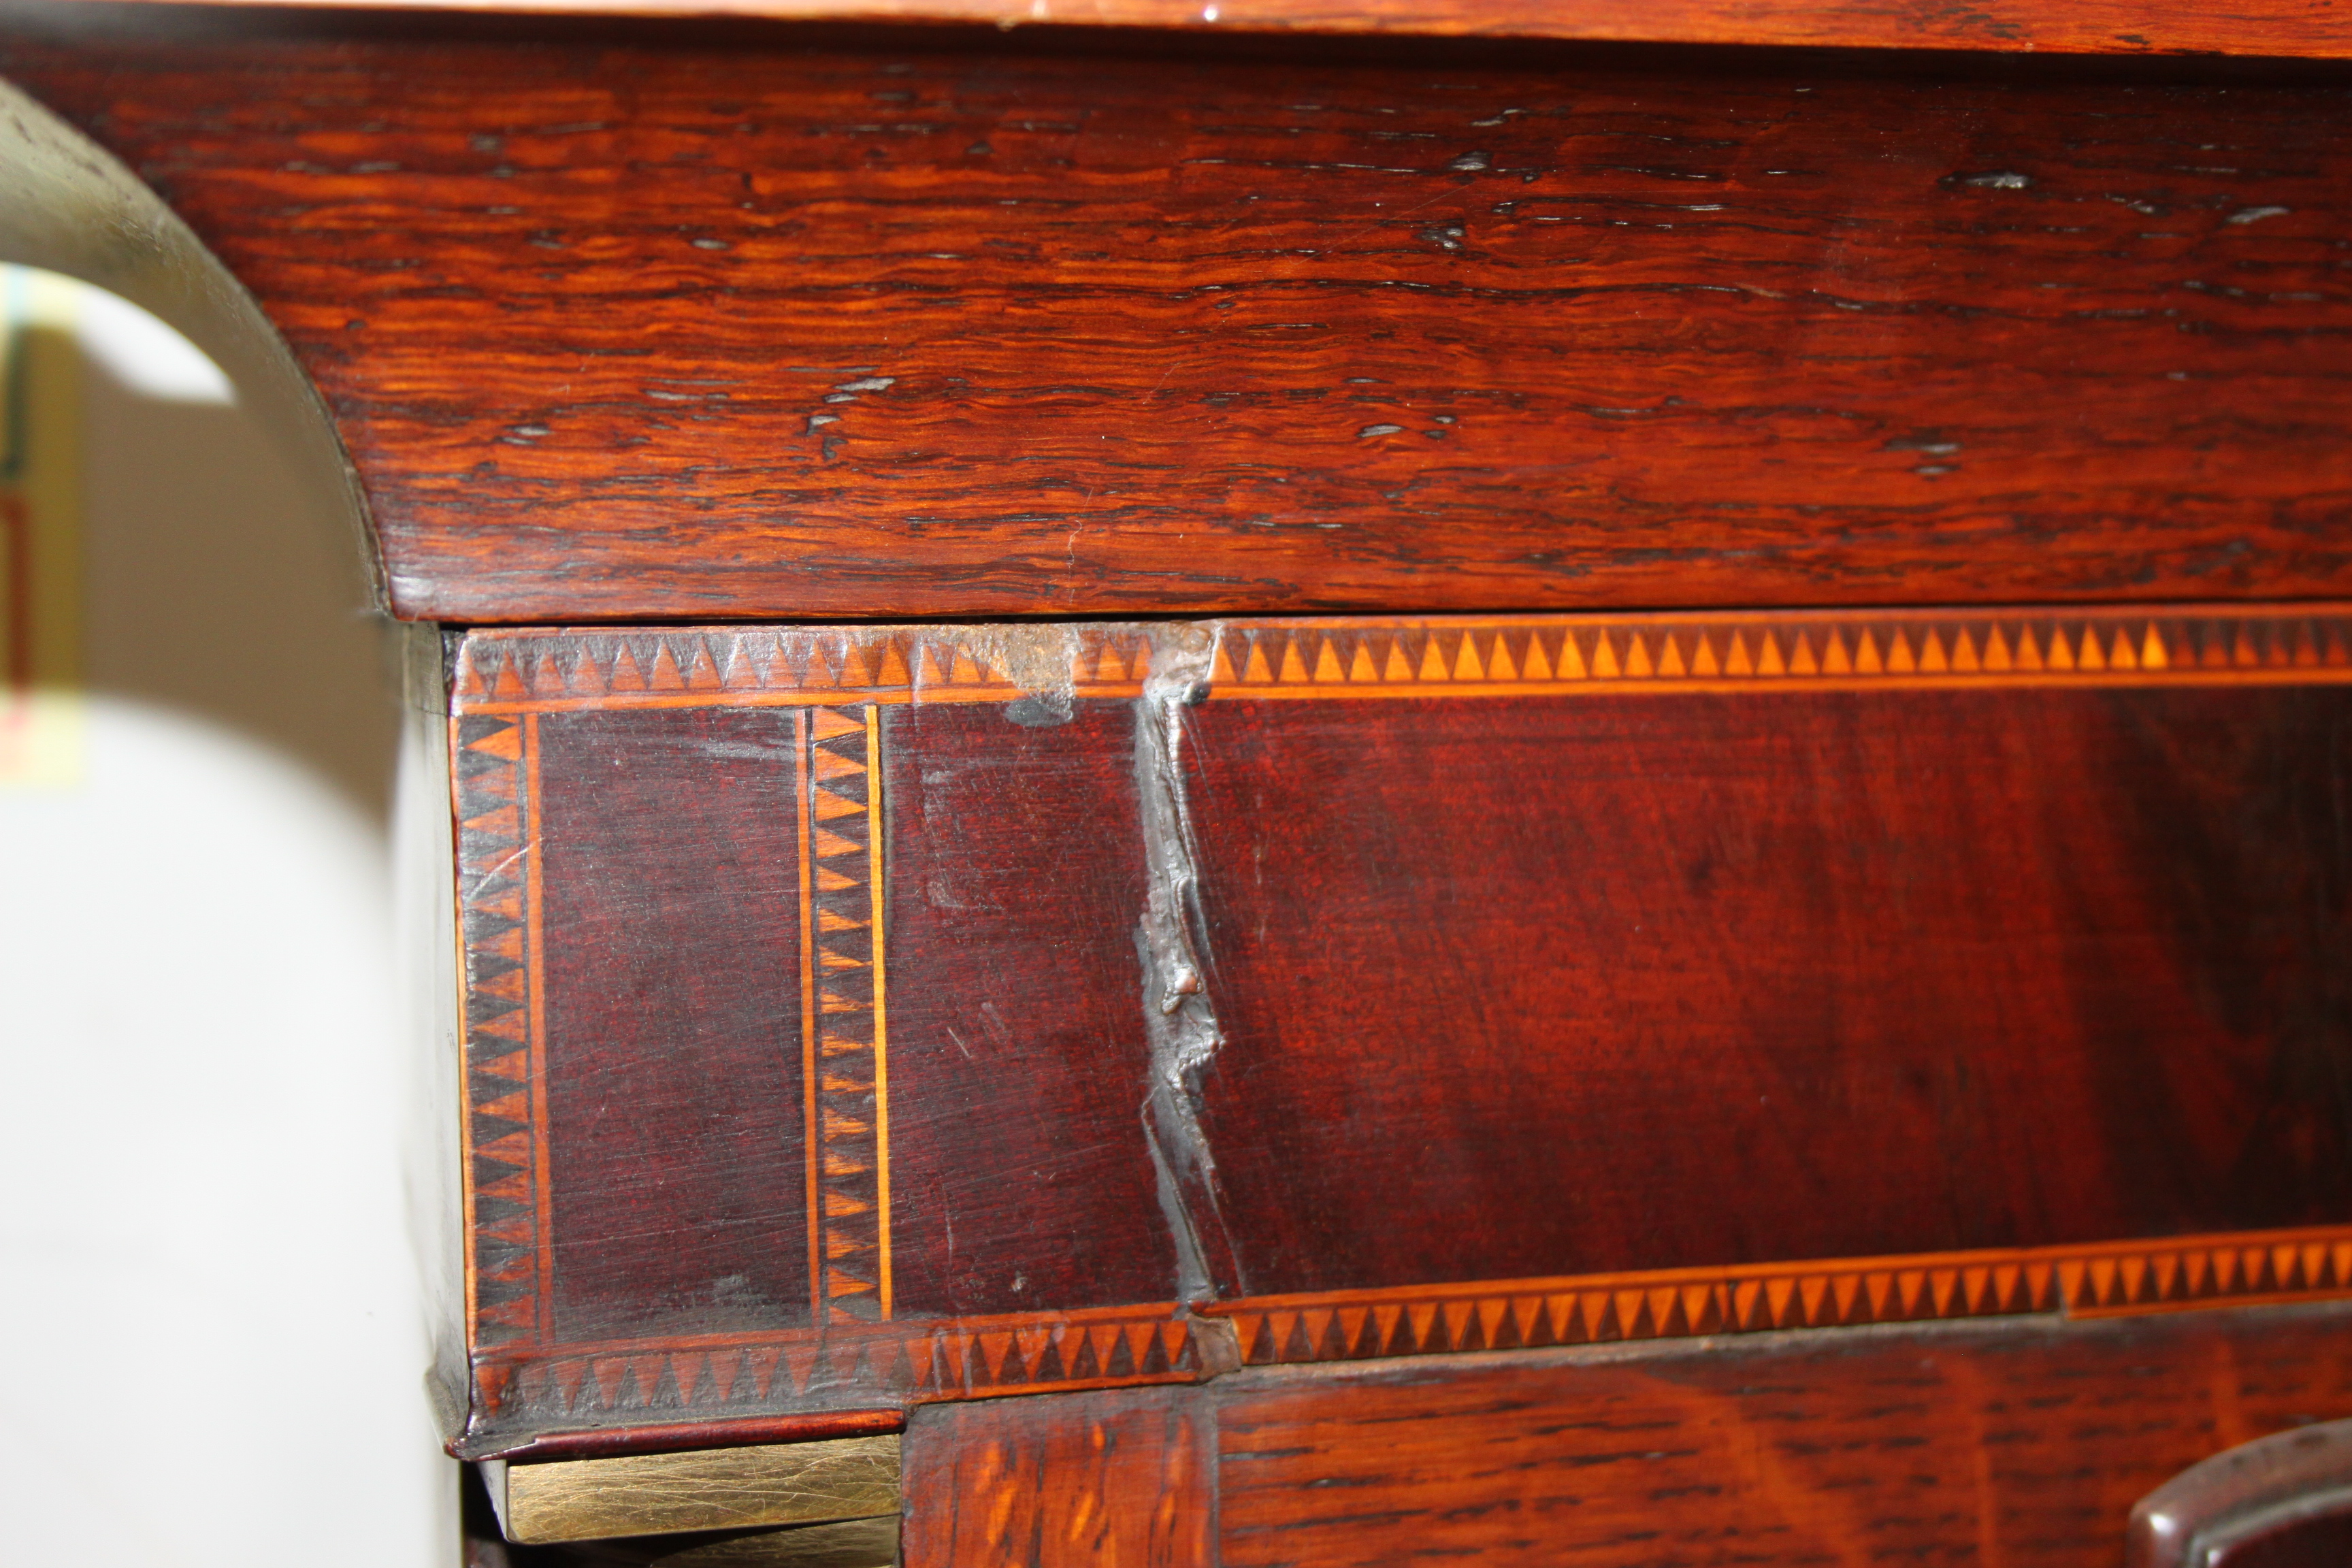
(1179, 1019)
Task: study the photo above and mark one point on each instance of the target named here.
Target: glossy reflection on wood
(1121, 1480)
(2279, 28)
(1558, 981)
(2025, 1444)
(1924, 970)
(621, 329)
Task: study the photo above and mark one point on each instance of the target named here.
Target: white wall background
(207, 1284)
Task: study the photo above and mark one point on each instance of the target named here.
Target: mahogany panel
(621, 325)
(691, 925)
(2024, 1444)
(839, 965)
(2271, 27)
(1020, 1178)
(1121, 1479)
(668, 843)
(1925, 970)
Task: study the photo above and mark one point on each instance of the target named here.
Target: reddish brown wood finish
(1563, 980)
(673, 1088)
(633, 328)
(2296, 27)
(682, 1436)
(1115, 1480)
(2015, 1447)
(1925, 971)
(2023, 1445)
(1014, 873)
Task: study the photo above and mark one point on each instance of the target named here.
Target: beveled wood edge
(527, 670)
(2265, 27)
(843, 1371)
(916, 1361)
(676, 1436)
(2085, 1280)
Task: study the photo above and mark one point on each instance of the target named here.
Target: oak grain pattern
(713, 1489)
(1122, 1479)
(2277, 27)
(2024, 1444)
(615, 330)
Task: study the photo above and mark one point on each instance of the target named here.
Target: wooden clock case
(1312, 797)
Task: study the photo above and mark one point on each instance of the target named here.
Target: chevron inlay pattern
(845, 1063)
(1559, 653)
(2092, 1280)
(914, 1362)
(529, 669)
(504, 1197)
(526, 669)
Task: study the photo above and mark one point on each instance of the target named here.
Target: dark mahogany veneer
(1552, 980)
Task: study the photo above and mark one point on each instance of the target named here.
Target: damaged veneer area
(860, 1018)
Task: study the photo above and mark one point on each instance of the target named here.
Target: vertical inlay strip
(471, 1177)
(534, 882)
(811, 1143)
(881, 1003)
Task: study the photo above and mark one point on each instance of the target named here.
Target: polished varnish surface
(2025, 1444)
(2278, 27)
(671, 1087)
(624, 327)
(1524, 987)
(1013, 873)
(1123, 1478)
(870, 1017)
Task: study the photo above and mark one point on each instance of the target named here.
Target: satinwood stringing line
(874, 841)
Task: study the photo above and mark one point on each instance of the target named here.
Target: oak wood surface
(2025, 1444)
(686, 1492)
(620, 326)
(2283, 28)
(1121, 1480)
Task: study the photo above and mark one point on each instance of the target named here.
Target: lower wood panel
(1121, 1480)
(2024, 1444)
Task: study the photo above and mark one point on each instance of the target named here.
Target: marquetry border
(1778, 650)
(526, 670)
(845, 1001)
(536, 669)
(2099, 1279)
(840, 677)
(844, 987)
(493, 780)
(905, 1363)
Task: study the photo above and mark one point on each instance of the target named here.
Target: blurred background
(209, 1124)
